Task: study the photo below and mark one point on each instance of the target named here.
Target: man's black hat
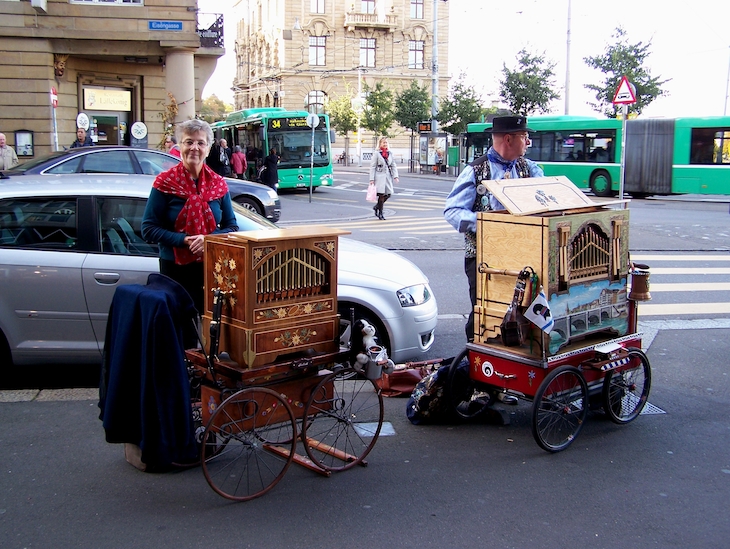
(509, 124)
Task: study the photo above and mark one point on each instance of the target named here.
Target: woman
(187, 202)
(238, 162)
(383, 173)
(270, 173)
(171, 145)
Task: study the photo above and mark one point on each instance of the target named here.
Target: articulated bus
(288, 133)
(663, 156)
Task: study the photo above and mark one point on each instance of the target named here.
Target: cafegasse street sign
(625, 94)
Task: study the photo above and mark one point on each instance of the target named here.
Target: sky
(690, 47)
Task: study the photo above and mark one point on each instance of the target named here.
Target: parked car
(68, 241)
(117, 159)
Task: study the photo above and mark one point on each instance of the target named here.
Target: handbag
(372, 195)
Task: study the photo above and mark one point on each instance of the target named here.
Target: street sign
(54, 98)
(82, 121)
(312, 120)
(625, 94)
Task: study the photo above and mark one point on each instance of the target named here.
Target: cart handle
(484, 269)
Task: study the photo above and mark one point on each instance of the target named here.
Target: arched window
(314, 102)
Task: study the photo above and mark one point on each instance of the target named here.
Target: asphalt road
(662, 481)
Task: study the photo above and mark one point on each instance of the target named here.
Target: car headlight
(414, 295)
(272, 193)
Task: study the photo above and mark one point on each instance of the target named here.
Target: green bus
(291, 136)
(663, 156)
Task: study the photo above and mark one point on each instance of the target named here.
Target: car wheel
(249, 204)
(362, 313)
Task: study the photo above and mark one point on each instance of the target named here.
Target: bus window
(710, 146)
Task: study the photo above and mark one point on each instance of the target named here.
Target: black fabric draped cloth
(144, 391)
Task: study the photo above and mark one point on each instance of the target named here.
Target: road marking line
(641, 257)
(690, 270)
(656, 309)
(690, 287)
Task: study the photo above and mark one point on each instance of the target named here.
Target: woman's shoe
(375, 209)
(381, 216)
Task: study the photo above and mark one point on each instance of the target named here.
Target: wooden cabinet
(580, 258)
(280, 292)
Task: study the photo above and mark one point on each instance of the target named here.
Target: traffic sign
(312, 120)
(54, 98)
(625, 94)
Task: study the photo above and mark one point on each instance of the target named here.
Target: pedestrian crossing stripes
(706, 294)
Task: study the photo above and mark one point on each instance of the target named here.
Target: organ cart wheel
(465, 399)
(342, 420)
(559, 409)
(236, 453)
(625, 390)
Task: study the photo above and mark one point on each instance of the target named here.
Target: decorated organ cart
(273, 374)
(558, 258)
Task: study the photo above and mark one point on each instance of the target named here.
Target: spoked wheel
(625, 391)
(559, 409)
(465, 399)
(249, 443)
(343, 420)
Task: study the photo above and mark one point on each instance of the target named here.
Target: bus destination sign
(298, 123)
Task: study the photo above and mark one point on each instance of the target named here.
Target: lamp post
(567, 66)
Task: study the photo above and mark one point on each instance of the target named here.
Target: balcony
(370, 21)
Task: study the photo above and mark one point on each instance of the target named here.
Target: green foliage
(214, 109)
(412, 106)
(378, 114)
(529, 88)
(343, 117)
(461, 107)
(623, 59)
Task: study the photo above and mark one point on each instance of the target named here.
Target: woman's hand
(195, 243)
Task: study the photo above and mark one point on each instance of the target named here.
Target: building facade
(298, 53)
(117, 61)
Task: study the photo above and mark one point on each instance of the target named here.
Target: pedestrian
(187, 202)
(171, 145)
(504, 160)
(219, 158)
(383, 174)
(270, 172)
(238, 162)
(82, 140)
(8, 158)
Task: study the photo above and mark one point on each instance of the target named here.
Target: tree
(378, 114)
(412, 106)
(343, 117)
(214, 109)
(461, 107)
(624, 59)
(529, 88)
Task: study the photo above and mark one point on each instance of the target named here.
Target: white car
(68, 241)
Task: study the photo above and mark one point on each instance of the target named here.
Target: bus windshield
(294, 147)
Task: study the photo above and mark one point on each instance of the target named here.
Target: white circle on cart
(487, 369)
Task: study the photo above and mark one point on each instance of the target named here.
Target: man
(8, 158)
(270, 171)
(82, 140)
(171, 145)
(219, 158)
(504, 160)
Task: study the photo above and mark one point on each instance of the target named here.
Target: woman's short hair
(380, 141)
(190, 127)
(237, 149)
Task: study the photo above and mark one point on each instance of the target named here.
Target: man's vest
(482, 172)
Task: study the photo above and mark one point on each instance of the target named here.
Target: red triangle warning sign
(625, 93)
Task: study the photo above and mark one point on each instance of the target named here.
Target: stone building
(297, 53)
(117, 61)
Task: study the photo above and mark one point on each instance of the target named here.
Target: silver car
(68, 241)
(119, 159)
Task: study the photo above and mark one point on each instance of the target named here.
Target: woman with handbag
(383, 174)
